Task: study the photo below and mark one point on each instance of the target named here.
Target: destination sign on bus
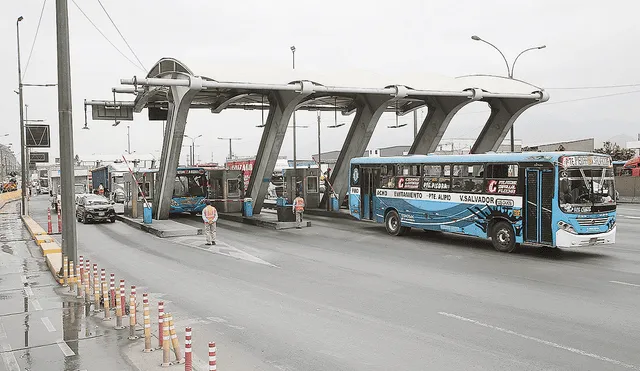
(576, 161)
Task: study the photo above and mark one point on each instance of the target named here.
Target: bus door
(538, 205)
(370, 180)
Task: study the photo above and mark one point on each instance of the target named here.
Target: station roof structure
(332, 92)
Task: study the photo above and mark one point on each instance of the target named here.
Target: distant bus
(558, 199)
(189, 191)
(631, 167)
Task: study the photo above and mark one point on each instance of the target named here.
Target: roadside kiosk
(133, 200)
(226, 189)
(307, 185)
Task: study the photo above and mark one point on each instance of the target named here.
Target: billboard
(245, 165)
(37, 136)
(38, 157)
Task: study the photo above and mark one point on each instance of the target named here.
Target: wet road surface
(344, 295)
(42, 327)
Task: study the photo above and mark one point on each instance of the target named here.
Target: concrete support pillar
(441, 111)
(370, 108)
(504, 111)
(179, 102)
(282, 105)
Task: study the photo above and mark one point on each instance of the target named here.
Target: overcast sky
(589, 43)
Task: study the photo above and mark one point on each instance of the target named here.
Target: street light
(230, 140)
(509, 70)
(23, 164)
(192, 151)
(295, 160)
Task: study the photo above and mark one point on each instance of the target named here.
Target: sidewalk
(42, 326)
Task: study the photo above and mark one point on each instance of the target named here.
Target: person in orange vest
(298, 209)
(210, 218)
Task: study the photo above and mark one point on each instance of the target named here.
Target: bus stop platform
(266, 219)
(162, 228)
(342, 213)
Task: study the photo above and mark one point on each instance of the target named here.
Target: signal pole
(67, 168)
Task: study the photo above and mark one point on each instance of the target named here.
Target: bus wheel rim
(503, 237)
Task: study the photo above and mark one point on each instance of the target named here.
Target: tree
(615, 151)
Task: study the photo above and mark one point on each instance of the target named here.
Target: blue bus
(558, 199)
(189, 191)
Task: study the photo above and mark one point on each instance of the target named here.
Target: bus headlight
(566, 227)
(174, 203)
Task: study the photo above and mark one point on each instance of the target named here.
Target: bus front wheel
(392, 223)
(503, 237)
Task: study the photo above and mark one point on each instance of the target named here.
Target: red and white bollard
(160, 323)
(49, 227)
(212, 356)
(188, 362)
(103, 278)
(123, 301)
(59, 221)
(81, 266)
(112, 290)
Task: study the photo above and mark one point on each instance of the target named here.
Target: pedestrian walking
(210, 218)
(298, 209)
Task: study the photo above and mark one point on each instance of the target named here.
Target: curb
(149, 228)
(49, 248)
(261, 223)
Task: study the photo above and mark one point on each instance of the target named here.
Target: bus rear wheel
(392, 223)
(503, 237)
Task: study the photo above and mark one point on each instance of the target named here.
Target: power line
(34, 39)
(120, 33)
(596, 87)
(105, 37)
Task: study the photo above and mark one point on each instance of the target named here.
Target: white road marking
(36, 304)
(9, 358)
(23, 278)
(3, 333)
(625, 283)
(629, 216)
(48, 324)
(65, 348)
(545, 342)
(28, 291)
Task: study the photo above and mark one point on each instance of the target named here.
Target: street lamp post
(192, 151)
(295, 166)
(230, 148)
(23, 161)
(509, 70)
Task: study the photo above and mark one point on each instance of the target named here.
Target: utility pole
(23, 156)
(128, 139)
(295, 159)
(67, 173)
(319, 155)
(415, 124)
(230, 149)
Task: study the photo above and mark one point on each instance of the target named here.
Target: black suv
(94, 208)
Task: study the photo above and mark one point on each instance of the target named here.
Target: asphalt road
(343, 295)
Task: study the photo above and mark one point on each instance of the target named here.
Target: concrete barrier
(9, 196)
(51, 251)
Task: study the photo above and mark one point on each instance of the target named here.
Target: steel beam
(179, 102)
(504, 111)
(441, 111)
(370, 108)
(282, 105)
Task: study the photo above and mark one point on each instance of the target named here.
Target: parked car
(95, 208)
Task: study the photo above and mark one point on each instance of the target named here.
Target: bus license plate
(593, 241)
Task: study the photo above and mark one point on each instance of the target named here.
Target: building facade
(8, 161)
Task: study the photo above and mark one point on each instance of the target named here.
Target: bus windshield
(582, 188)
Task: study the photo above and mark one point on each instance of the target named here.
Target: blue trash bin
(248, 207)
(146, 215)
(335, 204)
(281, 201)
